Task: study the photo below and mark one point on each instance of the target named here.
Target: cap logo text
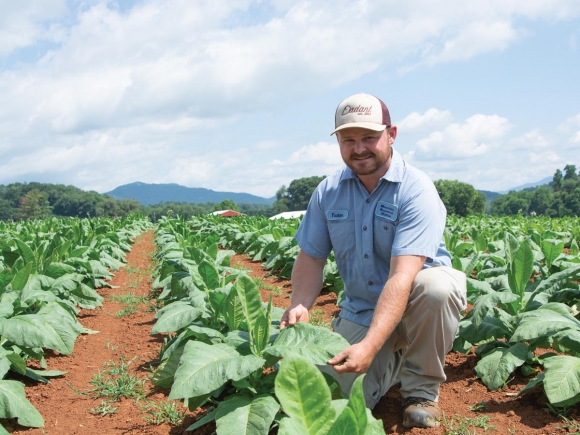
(360, 110)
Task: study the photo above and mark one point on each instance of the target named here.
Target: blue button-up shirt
(402, 216)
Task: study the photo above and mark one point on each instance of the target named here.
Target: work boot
(419, 412)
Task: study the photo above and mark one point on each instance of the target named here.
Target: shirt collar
(393, 174)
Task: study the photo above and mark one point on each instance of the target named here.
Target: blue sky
(239, 95)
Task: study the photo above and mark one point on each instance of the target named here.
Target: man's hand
(356, 358)
(293, 315)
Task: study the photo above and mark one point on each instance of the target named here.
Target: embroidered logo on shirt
(336, 215)
(387, 211)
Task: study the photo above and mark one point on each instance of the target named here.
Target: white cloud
(322, 152)
(548, 156)
(478, 135)
(417, 122)
(24, 22)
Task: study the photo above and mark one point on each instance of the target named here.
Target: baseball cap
(363, 111)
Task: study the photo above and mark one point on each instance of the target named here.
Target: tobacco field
(221, 354)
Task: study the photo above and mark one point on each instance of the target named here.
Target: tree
(460, 198)
(297, 195)
(557, 180)
(226, 204)
(34, 205)
(570, 172)
(541, 199)
(6, 210)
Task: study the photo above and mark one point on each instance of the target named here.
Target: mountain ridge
(149, 194)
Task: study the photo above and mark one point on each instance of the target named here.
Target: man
(384, 220)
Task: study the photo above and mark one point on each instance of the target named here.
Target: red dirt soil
(66, 412)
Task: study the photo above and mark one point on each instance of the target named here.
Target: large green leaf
(243, 415)
(353, 419)
(551, 249)
(520, 269)
(40, 330)
(204, 368)
(233, 311)
(548, 319)
(556, 281)
(26, 253)
(562, 380)
(164, 374)
(315, 343)
(21, 278)
(488, 302)
(209, 274)
(14, 404)
(179, 316)
(305, 398)
(495, 368)
(251, 302)
(569, 339)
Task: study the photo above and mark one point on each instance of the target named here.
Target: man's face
(365, 151)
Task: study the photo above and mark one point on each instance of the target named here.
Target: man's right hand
(294, 315)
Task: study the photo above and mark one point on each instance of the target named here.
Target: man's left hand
(356, 358)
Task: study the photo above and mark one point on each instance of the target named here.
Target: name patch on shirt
(387, 211)
(336, 215)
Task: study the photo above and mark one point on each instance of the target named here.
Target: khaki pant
(415, 352)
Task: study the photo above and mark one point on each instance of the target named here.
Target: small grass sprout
(461, 425)
(317, 319)
(164, 412)
(115, 381)
(478, 406)
(104, 408)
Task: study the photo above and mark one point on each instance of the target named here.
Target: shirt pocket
(342, 237)
(384, 235)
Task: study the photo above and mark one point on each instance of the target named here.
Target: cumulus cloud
(420, 122)
(23, 23)
(478, 135)
(483, 151)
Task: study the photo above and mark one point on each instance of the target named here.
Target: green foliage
(308, 406)
(34, 205)
(226, 204)
(41, 200)
(460, 198)
(297, 195)
(115, 382)
(164, 412)
(562, 198)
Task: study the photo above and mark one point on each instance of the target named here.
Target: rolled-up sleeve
(421, 222)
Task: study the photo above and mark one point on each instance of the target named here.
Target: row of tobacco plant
(523, 289)
(226, 352)
(48, 270)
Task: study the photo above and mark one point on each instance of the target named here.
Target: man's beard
(377, 164)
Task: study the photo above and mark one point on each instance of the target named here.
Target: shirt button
(368, 200)
(370, 283)
(386, 227)
(366, 255)
(365, 228)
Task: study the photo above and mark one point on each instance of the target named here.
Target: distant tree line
(559, 198)
(41, 200)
